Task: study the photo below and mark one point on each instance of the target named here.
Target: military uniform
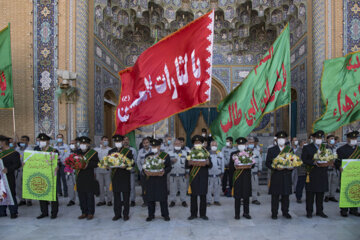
(280, 180)
(156, 186)
(199, 185)
(318, 177)
(103, 176)
(12, 162)
(345, 152)
(177, 175)
(86, 182)
(241, 184)
(215, 173)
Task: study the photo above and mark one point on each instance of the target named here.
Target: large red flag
(169, 77)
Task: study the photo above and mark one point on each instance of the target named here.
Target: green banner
(39, 180)
(265, 89)
(6, 86)
(340, 86)
(350, 183)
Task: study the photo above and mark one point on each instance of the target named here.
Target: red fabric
(160, 84)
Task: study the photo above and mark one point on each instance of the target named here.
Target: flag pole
(290, 117)
(14, 122)
(154, 131)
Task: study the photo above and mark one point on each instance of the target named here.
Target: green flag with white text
(340, 87)
(350, 183)
(6, 86)
(265, 89)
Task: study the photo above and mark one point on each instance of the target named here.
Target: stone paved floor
(220, 226)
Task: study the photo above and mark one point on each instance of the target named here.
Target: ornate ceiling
(244, 29)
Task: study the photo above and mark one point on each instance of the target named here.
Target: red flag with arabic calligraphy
(171, 76)
(340, 87)
(265, 89)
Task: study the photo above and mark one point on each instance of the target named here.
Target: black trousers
(275, 199)
(346, 210)
(163, 206)
(237, 206)
(54, 207)
(142, 183)
(227, 178)
(87, 203)
(194, 205)
(118, 203)
(310, 197)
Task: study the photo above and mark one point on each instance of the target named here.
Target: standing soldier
(318, 178)
(227, 178)
(120, 179)
(280, 181)
(70, 177)
(140, 162)
(132, 179)
(256, 170)
(215, 174)
(103, 175)
(156, 186)
(85, 179)
(349, 151)
(198, 181)
(177, 174)
(23, 146)
(11, 161)
(242, 182)
(332, 171)
(44, 146)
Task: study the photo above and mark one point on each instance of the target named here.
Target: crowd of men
(116, 187)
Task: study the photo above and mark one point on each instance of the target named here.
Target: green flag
(266, 88)
(350, 183)
(132, 139)
(39, 179)
(6, 86)
(340, 86)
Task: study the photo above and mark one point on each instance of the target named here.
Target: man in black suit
(199, 181)
(280, 182)
(349, 151)
(120, 180)
(317, 182)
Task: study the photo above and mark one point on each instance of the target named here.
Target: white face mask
(281, 141)
(154, 150)
(177, 148)
(241, 147)
(228, 144)
(118, 144)
(318, 141)
(296, 143)
(72, 146)
(42, 144)
(204, 135)
(213, 148)
(353, 142)
(198, 145)
(332, 141)
(83, 147)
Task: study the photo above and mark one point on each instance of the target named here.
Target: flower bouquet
(116, 160)
(286, 161)
(154, 166)
(198, 156)
(324, 157)
(243, 160)
(74, 162)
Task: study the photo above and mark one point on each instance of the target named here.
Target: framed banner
(350, 183)
(5, 192)
(39, 179)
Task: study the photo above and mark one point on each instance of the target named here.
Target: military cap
(155, 142)
(352, 134)
(44, 137)
(319, 134)
(281, 134)
(84, 139)
(241, 140)
(197, 138)
(118, 138)
(203, 130)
